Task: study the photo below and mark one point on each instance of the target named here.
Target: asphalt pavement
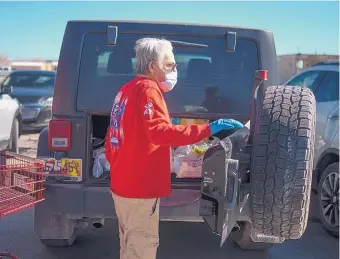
(177, 240)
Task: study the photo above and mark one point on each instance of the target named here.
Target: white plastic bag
(100, 163)
(187, 160)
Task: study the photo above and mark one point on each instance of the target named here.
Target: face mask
(170, 81)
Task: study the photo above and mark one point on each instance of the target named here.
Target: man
(138, 147)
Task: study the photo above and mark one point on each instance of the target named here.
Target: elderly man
(138, 147)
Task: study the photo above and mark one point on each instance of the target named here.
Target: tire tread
(282, 161)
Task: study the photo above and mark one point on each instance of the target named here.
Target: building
(34, 64)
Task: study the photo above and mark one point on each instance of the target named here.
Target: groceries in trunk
(187, 160)
(101, 167)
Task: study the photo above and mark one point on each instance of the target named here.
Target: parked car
(10, 121)
(254, 183)
(323, 80)
(34, 91)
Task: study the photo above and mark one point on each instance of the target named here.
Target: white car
(323, 79)
(10, 120)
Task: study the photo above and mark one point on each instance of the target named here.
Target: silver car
(10, 120)
(323, 79)
(34, 91)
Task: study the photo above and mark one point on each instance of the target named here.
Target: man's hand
(224, 124)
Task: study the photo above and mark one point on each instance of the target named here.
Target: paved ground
(178, 240)
(28, 144)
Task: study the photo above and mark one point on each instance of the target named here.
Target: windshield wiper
(188, 44)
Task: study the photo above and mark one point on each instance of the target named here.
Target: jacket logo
(148, 109)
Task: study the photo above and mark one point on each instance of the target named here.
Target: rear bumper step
(181, 205)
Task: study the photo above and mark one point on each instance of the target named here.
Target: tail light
(261, 75)
(59, 135)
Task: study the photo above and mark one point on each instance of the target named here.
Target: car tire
(282, 163)
(243, 239)
(328, 199)
(13, 142)
(58, 242)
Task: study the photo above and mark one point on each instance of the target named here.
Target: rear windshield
(210, 79)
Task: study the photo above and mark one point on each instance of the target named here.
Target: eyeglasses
(171, 67)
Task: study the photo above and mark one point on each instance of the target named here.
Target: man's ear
(151, 67)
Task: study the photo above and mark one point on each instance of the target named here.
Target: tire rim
(330, 199)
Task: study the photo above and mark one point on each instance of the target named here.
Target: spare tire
(243, 238)
(282, 163)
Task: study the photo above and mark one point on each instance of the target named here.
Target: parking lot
(28, 144)
(235, 112)
(178, 240)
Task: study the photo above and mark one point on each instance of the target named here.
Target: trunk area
(99, 125)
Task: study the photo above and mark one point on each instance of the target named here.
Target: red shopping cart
(21, 185)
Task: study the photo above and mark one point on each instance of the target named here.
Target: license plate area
(65, 168)
(29, 113)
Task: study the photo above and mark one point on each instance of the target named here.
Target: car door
(2, 120)
(5, 119)
(327, 111)
(8, 109)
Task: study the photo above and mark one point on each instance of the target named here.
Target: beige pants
(138, 222)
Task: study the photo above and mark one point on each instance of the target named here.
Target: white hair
(149, 49)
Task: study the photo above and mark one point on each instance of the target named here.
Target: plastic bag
(187, 160)
(100, 163)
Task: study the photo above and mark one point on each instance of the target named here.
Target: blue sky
(35, 29)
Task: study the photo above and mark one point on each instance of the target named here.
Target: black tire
(328, 203)
(282, 162)
(243, 240)
(13, 142)
(58, 242)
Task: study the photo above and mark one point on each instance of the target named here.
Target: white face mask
(170, 81)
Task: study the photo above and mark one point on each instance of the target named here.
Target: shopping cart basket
(21, 185)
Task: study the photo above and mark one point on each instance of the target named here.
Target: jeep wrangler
(255, 184)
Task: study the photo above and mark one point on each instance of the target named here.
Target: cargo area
(99, 125)
(99, 170)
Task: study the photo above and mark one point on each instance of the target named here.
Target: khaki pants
(138, 222)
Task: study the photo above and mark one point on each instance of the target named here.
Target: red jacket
(139, 138)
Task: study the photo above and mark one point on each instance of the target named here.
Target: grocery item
(101, 166)
(187, 160)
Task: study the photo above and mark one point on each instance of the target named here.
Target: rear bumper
(77, 201)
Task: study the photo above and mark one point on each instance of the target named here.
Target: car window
(182, 61)
(29, 80)
(328, 90)
(309, 79)
(210, 79)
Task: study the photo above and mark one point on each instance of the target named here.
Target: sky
(35, 29)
